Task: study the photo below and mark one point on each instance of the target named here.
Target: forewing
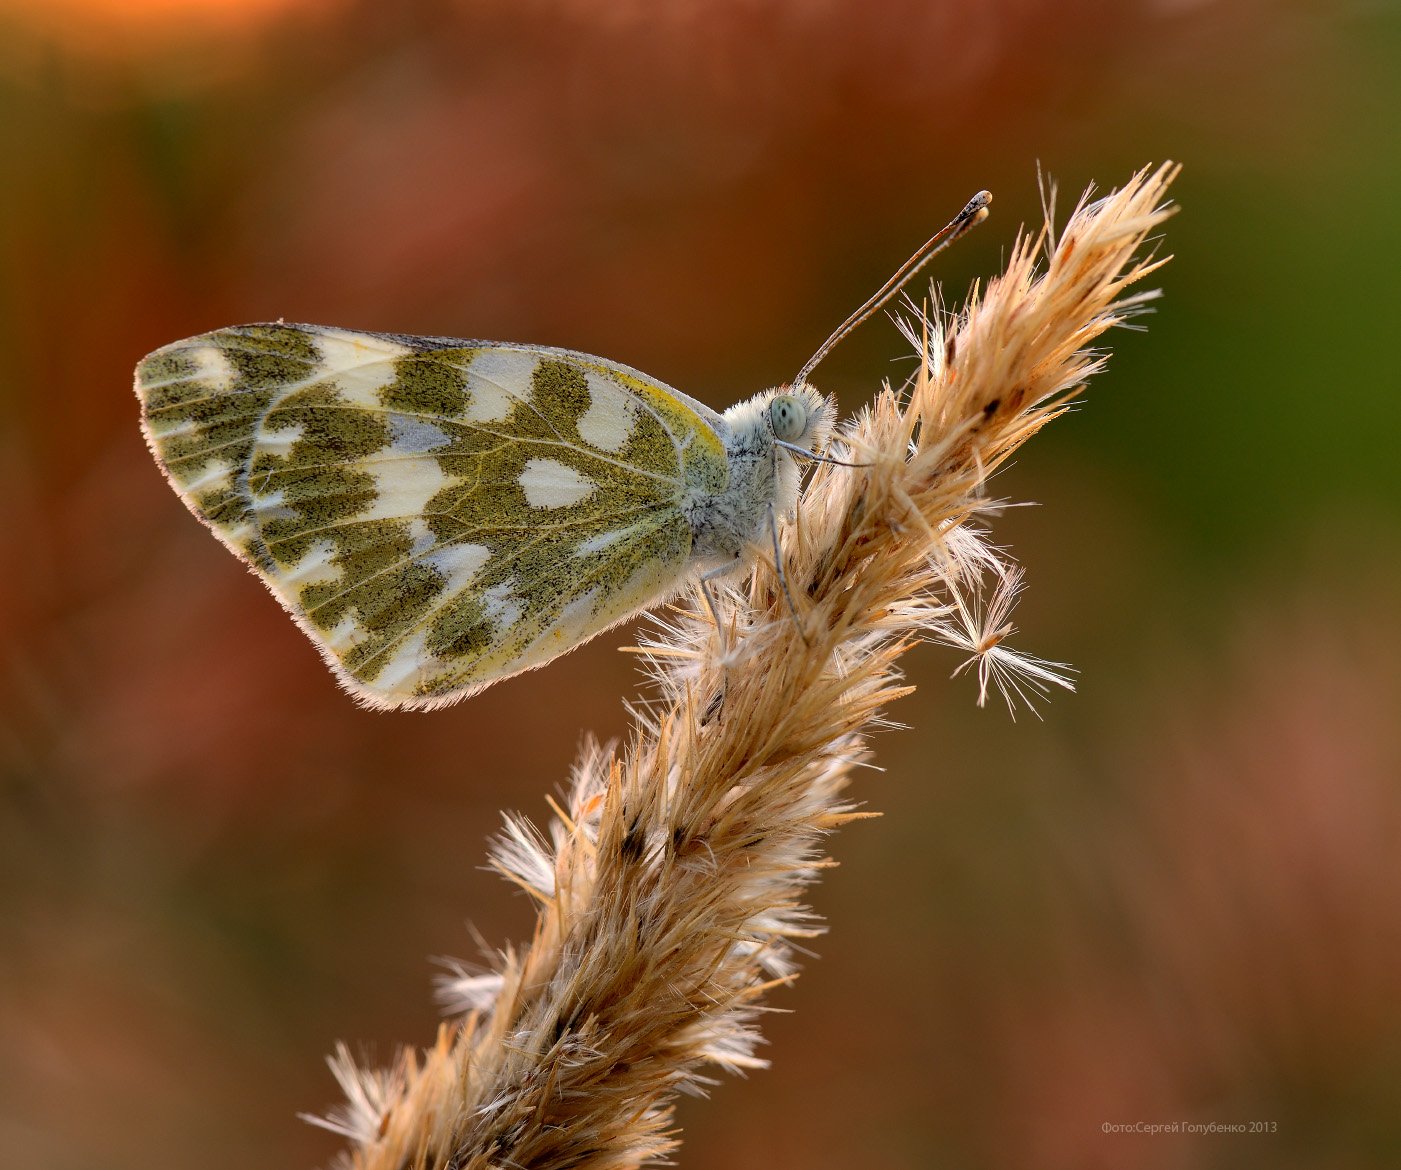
(435, 513)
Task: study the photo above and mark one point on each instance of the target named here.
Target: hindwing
(436, 513)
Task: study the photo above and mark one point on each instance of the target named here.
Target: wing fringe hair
(669, 891)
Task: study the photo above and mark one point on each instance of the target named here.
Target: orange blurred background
(1176, 899)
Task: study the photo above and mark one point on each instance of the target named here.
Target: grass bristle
(670, 889)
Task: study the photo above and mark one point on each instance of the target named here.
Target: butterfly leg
(705, 579)
(717, 703)
(783, 577)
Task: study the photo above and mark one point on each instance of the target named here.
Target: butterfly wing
(436, 513)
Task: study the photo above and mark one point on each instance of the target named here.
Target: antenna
(973, 214)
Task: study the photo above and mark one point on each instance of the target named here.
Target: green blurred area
(1176, 898)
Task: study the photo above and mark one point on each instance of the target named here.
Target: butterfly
(439, 514)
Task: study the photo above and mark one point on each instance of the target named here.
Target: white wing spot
(600, 542)
(411, 663)
(167, 429)
(501, 606)
(361, 365)
(216, 474)
(278, 440)
(550, 484)
(270, 507)
(608, 423)
(241, 534)
(212, 367)
(496, 380)
(414, 436)
(404, 487)
(345, 635)
(458, 563)
(317, 566)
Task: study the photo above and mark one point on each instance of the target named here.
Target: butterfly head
(801, 417)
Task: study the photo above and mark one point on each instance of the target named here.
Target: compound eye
(788, 417)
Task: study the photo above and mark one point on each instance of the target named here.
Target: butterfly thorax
(763, 484)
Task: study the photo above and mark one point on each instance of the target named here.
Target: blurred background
(1175, 899)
